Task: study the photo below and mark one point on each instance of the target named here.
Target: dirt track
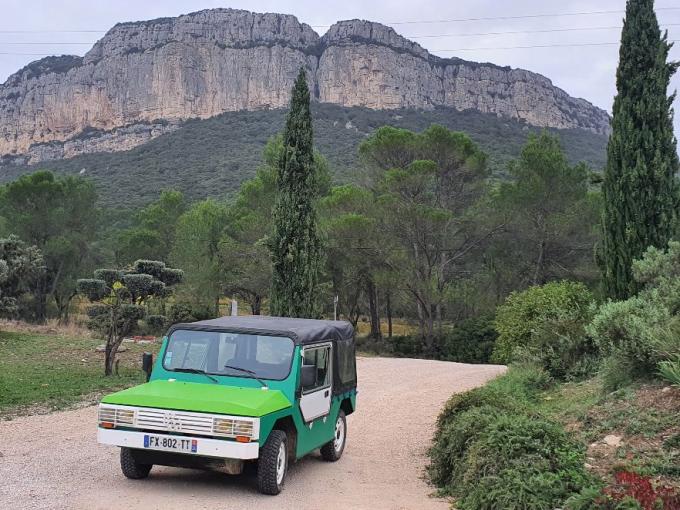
(53, 461)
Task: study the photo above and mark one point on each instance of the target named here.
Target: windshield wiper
(249, 372)
(197, 371)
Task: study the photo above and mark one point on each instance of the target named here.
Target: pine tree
(295, 245)
(639, 189)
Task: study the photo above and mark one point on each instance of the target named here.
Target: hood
(203, 398)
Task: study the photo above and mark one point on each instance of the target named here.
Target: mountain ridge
(202, 64)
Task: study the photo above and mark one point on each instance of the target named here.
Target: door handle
(325, 393)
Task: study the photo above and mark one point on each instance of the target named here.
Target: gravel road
(54, 462)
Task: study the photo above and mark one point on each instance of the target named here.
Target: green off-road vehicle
(228, 391)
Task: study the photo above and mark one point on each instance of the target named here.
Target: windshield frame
(240, 375)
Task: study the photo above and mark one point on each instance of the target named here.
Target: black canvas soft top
(301, 331)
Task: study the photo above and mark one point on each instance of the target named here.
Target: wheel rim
(339, 438)
(281, 464)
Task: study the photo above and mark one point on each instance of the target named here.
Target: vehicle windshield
(233, 354)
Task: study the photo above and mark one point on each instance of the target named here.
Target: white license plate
(170, 443)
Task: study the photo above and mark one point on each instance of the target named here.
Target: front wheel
(273, 463)
(332, 450)
(130, 467)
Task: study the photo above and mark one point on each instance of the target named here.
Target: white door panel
(316, 398)
(316, 404)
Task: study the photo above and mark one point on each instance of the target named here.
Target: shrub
(454, 437)
(522, 462)
(470, 341)
(546, 324)
(156, 323)
(640, 335)
(406, 345)
(630, 329)
(670, 370)
(188, 312)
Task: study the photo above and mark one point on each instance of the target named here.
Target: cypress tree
(639, 188)
(295, 245)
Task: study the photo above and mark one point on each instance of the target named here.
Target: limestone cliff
(142, 78)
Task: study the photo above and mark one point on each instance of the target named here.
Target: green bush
(640, 335)
(406, 345)
(546, 325)
(156, 323)
(524, 449)
(454, 437)
(670, 370)
(470, 341)
(188, 312)
(632, 330)
(492, 450)
(512, 392)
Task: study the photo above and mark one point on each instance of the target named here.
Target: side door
(315, 399)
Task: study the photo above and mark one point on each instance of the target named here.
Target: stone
(612, 440)
(142, 79)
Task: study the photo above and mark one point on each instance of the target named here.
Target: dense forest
(212, 157)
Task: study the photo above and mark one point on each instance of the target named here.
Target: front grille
(174, 421)
(167, 420)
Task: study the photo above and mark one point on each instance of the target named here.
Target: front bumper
(222, 449)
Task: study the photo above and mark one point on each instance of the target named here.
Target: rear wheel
(130, 467)
(273, 463)
(332, 450)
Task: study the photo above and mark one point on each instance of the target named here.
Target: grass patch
(53, 371)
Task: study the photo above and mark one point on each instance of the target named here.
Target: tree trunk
(539, 262)
(373, 310)
(388, 311)
(256, 304)
(63, 307)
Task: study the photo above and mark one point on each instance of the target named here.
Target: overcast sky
(583, 71)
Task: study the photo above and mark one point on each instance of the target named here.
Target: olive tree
(20, 267)
(119, 297)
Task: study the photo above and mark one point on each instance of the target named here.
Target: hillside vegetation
(212, 157)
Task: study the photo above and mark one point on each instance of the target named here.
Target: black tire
(269, 480)
(130, 467)
(331, 451)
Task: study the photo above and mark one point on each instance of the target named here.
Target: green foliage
(109, 276)
(153, 235)
(522, 462)
(426, 185)
(189, 312)
(93, 289)
(546, 324)
(117, 303)
(640, 189)
(295, 245)
(58, 216)
(549, 216)
(157, 323)
(643, 331)
(201, 162)
(670, 370)
(20, 267)
(470, 341)
(492, 449)
(197, 247)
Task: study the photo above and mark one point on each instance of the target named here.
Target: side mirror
(308, 375)
(147, 364)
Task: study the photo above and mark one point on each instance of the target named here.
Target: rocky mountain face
(143, 78)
